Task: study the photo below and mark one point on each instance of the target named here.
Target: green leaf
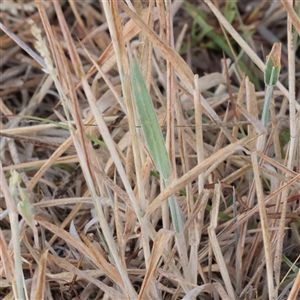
(14, 181)
(273, 65)
(284, 136)
(230, 11)
(25, 209)
(290, 264)
(271, 79)
(150, 126)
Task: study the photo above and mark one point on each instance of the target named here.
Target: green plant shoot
(271, 77)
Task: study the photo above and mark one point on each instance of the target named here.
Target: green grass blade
(271, 76)
(273, 65)
(150, 126)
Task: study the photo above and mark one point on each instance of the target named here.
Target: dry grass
(84, 211)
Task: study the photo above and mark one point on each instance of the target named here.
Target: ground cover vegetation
(149, 149)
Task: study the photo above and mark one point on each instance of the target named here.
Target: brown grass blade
(192, 174)
(62, 263)
(39, 291)
(64, 235)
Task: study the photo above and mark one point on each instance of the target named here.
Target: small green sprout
(271, 77)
